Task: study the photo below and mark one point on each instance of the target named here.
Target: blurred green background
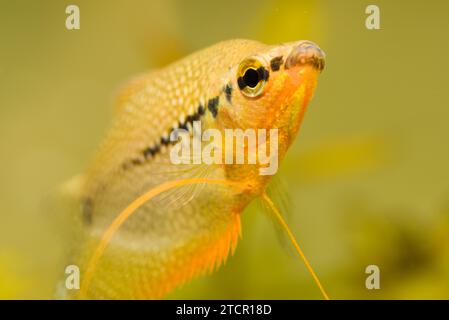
(367, 178)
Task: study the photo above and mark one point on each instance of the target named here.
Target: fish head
(273, 88)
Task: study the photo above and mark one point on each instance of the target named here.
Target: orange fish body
(184, 232)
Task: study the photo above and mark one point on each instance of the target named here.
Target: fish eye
(252, 77)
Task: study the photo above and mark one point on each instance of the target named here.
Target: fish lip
(306, 53)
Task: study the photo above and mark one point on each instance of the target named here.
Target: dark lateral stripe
(183, 126)
(212, 105)
(136, 161)
(228, 92)
(165, 141)
(201, 110)
(276, 63)
(192, 118)
(150, 152)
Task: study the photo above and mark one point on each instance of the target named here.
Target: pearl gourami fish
(190, 229)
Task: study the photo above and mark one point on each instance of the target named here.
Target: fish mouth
(306, 53)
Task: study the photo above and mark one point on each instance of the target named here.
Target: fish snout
(306, 53)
